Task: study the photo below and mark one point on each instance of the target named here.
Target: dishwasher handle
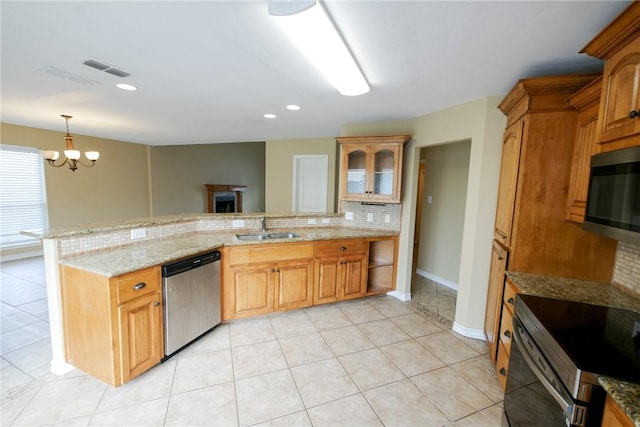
(178, 267)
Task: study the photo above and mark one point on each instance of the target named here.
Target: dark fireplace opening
(224, 203)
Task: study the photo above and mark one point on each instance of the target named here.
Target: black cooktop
(598, 340)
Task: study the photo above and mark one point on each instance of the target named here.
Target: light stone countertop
(625, 394)
(148, 253)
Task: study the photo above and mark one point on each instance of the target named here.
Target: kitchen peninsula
(116, 252)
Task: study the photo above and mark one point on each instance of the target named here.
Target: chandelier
(72, 156)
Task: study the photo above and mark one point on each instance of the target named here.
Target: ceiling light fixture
(309, 27)
(293, 107)
(270, 116)
(125, 86)
(72, 156)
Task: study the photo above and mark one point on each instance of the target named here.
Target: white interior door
(310, 174)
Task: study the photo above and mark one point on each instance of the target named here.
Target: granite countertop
(625, 394)
(148, 253)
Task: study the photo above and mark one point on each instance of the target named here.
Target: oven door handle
(575, 415)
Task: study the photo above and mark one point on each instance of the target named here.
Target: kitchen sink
(284, 235)
(252, 236)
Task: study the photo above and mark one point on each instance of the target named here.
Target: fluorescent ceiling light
(308, 26)
(125, 86)
(270, 116)
(293, 107)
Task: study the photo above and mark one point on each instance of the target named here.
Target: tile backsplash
(371, 216)
(626, 272)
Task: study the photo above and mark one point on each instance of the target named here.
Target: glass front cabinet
(371, 168)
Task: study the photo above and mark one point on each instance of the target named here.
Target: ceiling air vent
(105, 67)
(95, 64)
(63, 74)
(117, 72)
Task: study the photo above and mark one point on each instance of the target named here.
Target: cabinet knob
(503, 372)
(139, 286)
(156, 304)
(507, 334)
(511, 301)
(633, 114)
(500, 257)
(343, 248)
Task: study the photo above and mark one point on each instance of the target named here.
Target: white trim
(400, 296)
(440, 280)
(468, 332)
(22, 255)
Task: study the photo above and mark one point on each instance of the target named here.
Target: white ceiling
(207, 71)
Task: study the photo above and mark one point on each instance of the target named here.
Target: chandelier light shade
(308, 26)
(71, 155)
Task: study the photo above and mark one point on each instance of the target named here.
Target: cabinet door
(354, 276)
(294, 285)
(252, 291)
(511, 143)
(327, 279)
(621, 96)
(355, 185)
(384, 173)
(494, 298)
(585, 147)
(141, 336)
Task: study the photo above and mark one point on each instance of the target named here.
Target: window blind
(23, 204)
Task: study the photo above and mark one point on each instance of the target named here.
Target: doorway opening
(437, 245)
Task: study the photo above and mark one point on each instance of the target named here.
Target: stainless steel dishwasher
(191, 297)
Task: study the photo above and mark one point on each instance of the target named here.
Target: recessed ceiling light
(293, 107)
(270, 116)
(125, 86)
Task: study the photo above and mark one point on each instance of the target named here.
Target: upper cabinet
(371, 168)
(619, 113)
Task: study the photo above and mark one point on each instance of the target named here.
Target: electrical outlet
(311, 221)
(138, 233)
(387, 219)
(348, 216)
(326, 221)
(237, 223)
(429, 199)
(370, 217)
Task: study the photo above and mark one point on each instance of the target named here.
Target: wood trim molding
(614, 36)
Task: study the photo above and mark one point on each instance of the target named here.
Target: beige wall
(482, 123)
(442, 222)
(279, 170)
(179, 174)
(116, 188)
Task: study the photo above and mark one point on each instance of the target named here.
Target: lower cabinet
(341, 270)
(506, 332)
(260, 279)
(614, 416)
(494, 297)
(113, 326)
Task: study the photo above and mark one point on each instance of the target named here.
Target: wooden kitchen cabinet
(113, 326)
(586, 102)
(511, 142)
(381, 269)
(494, 297)
(260, 279)
(506, 332)
(340, 270)
(614, 416)
(619, 46)
(371, 168)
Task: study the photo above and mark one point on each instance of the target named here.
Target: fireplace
(224, 198)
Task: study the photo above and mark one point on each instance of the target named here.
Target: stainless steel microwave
(613, 199)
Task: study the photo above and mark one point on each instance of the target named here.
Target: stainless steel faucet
(263, 222)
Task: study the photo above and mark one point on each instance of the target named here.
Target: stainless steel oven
(559, 350)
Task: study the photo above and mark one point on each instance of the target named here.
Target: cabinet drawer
(341, 247)
(506, 329)
(510, 292)
(257, 254)
(138, 283)
(502, 366)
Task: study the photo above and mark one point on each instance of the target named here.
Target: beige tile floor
(369, 362)
(434, 299)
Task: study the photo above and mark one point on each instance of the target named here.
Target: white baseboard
(399, 295)
(440, 280)
(468, 332)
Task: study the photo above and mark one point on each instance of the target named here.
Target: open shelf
(381, 266)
